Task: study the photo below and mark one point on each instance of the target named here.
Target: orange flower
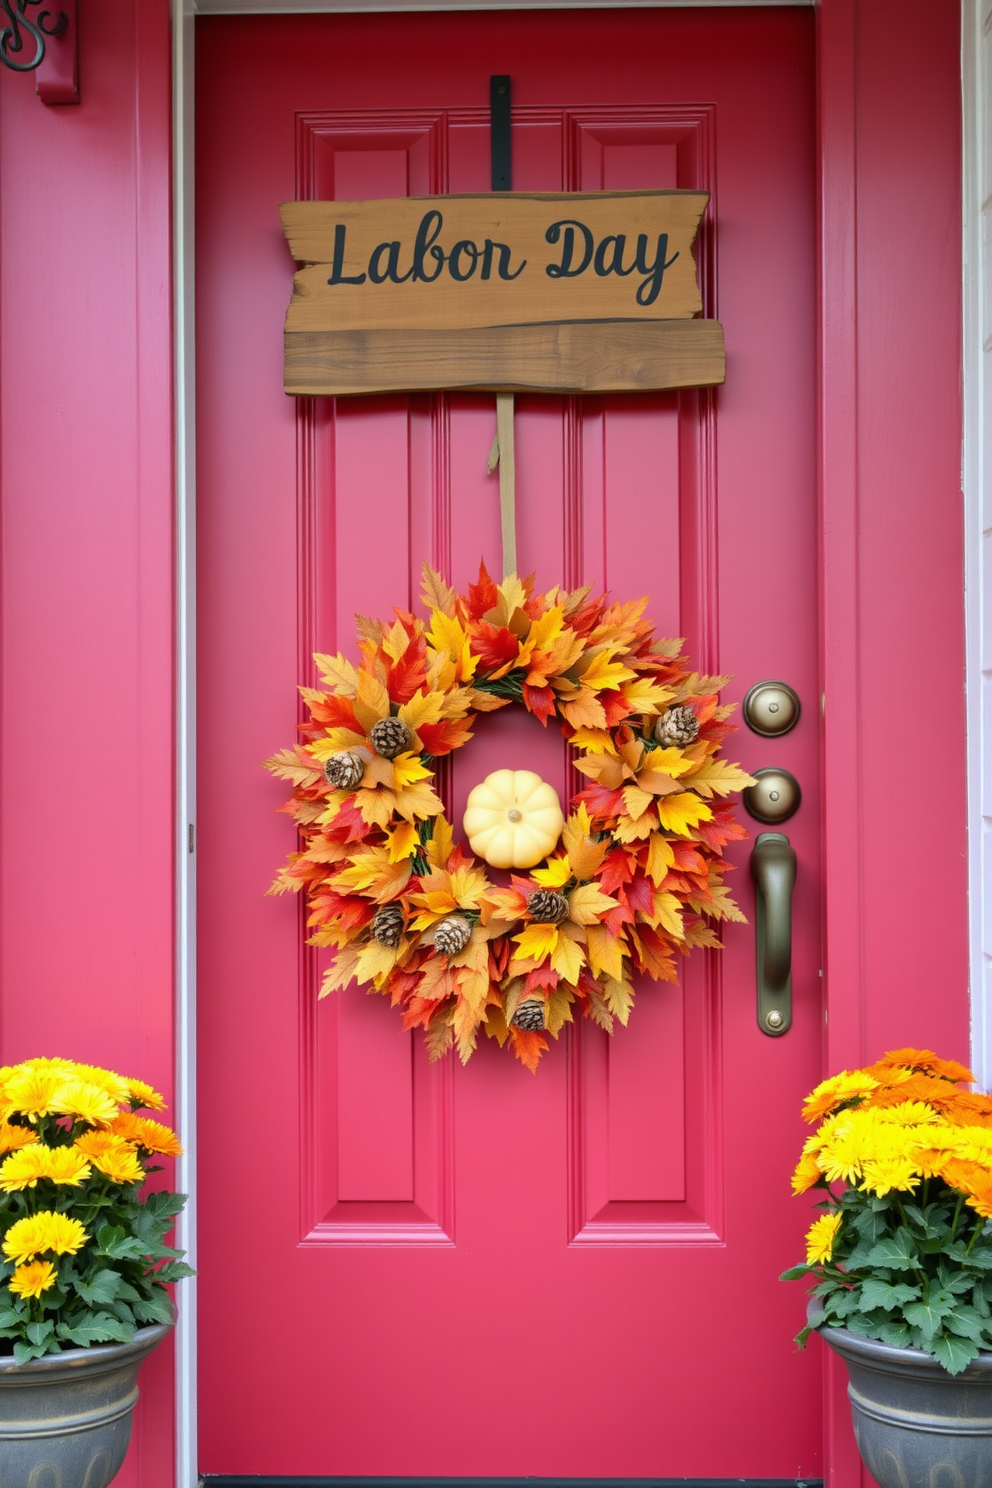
(154, 1137)
(924, 1061)
(96, 1143)
(12, 1137)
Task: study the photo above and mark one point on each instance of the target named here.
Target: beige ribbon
(502, 455)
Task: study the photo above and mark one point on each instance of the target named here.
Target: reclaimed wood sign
(561, 292)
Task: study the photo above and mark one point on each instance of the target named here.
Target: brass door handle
(773, 868)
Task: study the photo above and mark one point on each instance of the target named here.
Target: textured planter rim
(906, 1361)
(99, 1358)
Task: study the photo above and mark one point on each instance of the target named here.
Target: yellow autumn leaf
(645, 696)
(334, 741)
(559, 1011)
(338, 673)
(375, 962)
(423, 707)
(637, 801)
(558, 872)
(605, 951)
(439, 847)
(288, 765)
(436, 594)
(376, 806)
(407, 768)
(449, 638)
(670, 761)
(618, 995)
(512, 596)
(680, 813)
(417, 802)
(340, 972)
(371, 700)
(541, 633)
(587, 904)
(437, 901)
(577, 827)
(396, 641)
(537, 941)
(567, 959)
(403, 842)
(668, 913)
(605, 675)
(627, 830)
(722, 906)
(468, 886)
(596, 741)
(374, 873)
(661, 857)
(585, 712)
(719, 777)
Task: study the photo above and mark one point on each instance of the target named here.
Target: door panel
(480, 1271)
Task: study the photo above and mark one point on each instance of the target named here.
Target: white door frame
(976, 77)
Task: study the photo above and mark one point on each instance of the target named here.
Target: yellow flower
(115, 1085)
(43, 1231)
(22, 1169)
(85, 1102)
(829, 1094)
(145, 1095)
(12, 1137)
(120, 1164)
(32, 1092)
(820, 1238)
(880, 1176)
(33, 1279)
(807, 1173)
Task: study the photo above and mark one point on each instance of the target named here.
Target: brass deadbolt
(771, 709)
(774, 797)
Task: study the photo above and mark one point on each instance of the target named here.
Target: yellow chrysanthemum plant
(903, 1251)
(84, 1259)
(411, 913)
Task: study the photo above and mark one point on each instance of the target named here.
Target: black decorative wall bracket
(23, 40)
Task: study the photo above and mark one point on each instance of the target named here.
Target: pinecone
(547, 907)
(344, 771)
(452, 935)
(530, 1015)
(390, 737)
(678, 726)
(388, 925)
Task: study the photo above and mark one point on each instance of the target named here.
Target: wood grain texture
(584, 357)
(460, 260)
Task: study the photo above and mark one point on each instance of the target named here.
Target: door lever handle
(773, 868)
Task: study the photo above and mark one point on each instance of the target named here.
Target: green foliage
(115, 1284)
(908, 1274)
(84, 1252)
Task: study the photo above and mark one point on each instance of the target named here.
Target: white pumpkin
(513, 819)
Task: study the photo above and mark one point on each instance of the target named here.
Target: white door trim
(976, 61)
(976, 78)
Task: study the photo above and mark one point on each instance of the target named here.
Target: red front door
(409, 1270)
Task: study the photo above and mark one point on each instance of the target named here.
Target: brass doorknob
(774, 797)
(771, 709)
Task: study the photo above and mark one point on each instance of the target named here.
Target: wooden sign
(563, 292)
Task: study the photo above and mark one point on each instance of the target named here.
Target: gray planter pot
(65, 1420)
(918, 1426)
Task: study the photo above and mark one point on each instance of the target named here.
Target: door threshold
(247, 1480)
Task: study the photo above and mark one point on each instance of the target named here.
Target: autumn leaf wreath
(636, 877)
